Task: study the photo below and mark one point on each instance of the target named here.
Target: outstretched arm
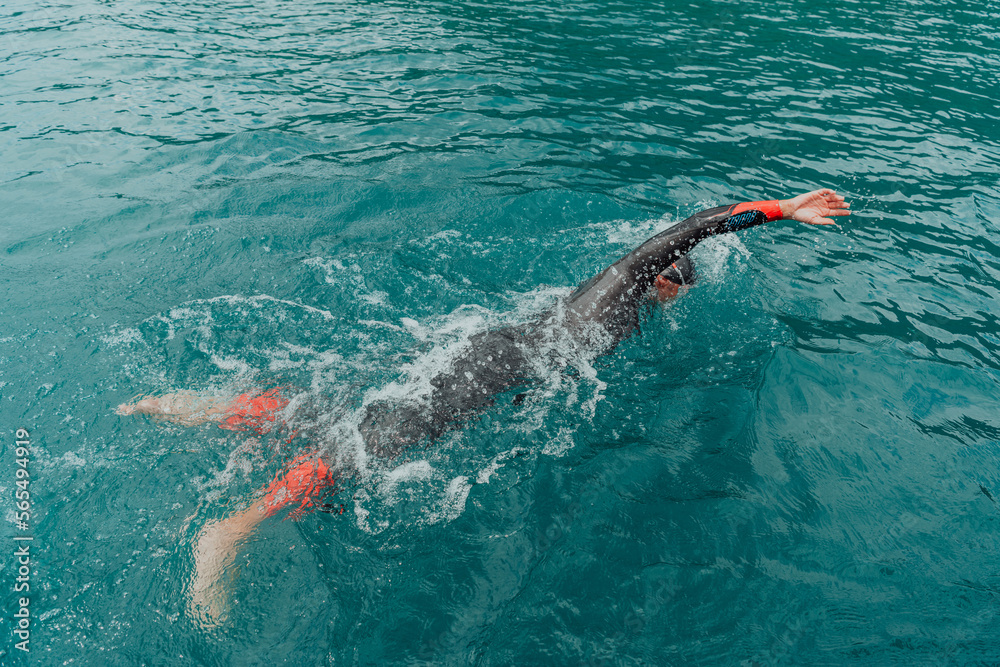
(612, 297)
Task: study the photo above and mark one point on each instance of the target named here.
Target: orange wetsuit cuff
(771, 209)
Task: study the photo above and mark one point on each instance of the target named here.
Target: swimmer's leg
(253, 412)
(308, 478)
(214, 553)
(185, 408)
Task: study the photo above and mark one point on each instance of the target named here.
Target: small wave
(257, 299)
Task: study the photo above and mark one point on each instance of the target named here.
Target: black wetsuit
(601, 312)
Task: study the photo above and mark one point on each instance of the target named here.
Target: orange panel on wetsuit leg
(306, 480)
(255, 413)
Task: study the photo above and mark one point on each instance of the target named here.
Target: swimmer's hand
(815, 208)
(214, 554)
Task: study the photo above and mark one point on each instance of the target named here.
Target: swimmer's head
(679, 274)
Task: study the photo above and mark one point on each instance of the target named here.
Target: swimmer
(599, 314)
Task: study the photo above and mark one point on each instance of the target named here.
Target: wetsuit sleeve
(612, 297)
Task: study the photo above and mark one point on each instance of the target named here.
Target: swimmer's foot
(209, 606)
(147, 406)
(214, 553)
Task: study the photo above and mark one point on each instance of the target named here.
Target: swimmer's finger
(840, 211)
(820, 221)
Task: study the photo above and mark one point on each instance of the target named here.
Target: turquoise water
(796, 463)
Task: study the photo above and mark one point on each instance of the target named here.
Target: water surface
(796, 463)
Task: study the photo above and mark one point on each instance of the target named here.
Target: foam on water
(452, 504)
(121, 337)
(719, 257)
(243, 460)
(560, 444)
(486, 473)
(256, 300)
